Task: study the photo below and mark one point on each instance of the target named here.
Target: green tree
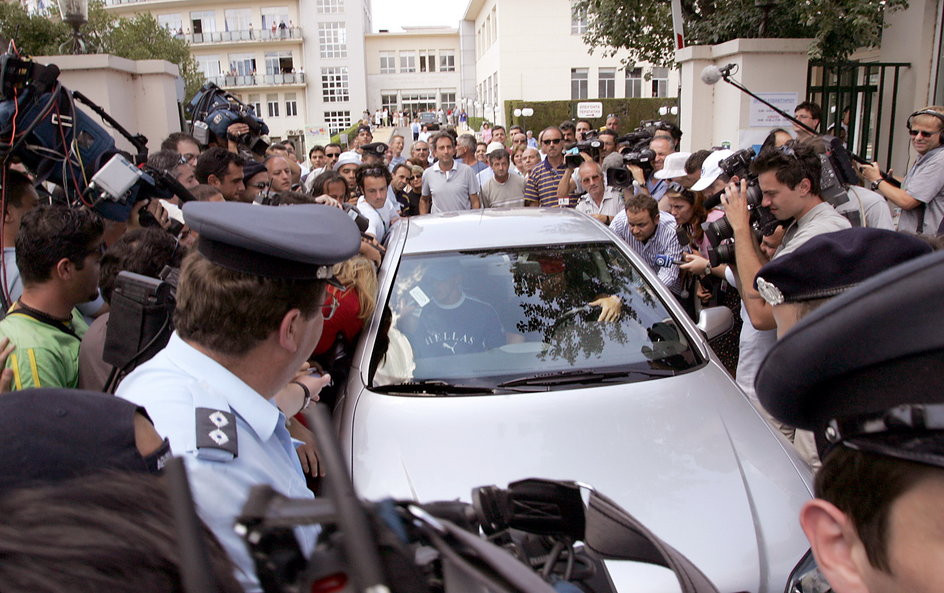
(838, 27)
(137, 38)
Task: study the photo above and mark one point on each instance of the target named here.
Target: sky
(393, 14)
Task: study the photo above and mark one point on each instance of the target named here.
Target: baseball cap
(674, 166)
(710, 169)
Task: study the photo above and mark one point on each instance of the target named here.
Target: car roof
(491, 228)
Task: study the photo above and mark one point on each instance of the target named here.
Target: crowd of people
(270, 303)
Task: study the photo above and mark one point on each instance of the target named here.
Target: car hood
(687, 455)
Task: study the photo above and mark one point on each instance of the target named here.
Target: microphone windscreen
(711, 74)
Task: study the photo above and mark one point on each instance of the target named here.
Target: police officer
(864, 373)
(248, 316)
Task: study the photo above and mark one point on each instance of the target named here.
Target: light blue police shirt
(170, 386)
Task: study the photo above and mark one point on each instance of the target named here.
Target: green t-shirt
(45, 356)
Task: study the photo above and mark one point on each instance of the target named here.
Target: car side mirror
(715, 321)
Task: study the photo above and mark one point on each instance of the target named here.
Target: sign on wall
(762, 116)
(589, 109)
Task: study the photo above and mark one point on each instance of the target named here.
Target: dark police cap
(251, 169)
(832, 263)
(377, 148)
(51, 435)
(867, 368)
(292, 242)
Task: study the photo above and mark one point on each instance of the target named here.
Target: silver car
(487, 362)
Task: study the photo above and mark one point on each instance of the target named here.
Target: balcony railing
(227, 81)
(247, 35)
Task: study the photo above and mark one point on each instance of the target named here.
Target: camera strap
(44, 318)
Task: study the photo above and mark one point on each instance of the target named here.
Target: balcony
(265, 35)
(227, 81)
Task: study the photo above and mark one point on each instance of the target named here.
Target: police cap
(831, 263)
(376, 148)
(865, 369)
(292, 242)
(51, 435)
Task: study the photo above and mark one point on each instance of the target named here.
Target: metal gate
(859, 100)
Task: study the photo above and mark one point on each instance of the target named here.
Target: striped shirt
(542, 185)
(45, 356)
(663, 241)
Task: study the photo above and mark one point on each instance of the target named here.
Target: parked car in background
(487, 362)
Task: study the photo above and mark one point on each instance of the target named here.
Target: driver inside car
(449, 320)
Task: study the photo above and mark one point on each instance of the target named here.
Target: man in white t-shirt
(373, 181)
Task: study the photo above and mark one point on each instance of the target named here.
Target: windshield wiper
(439, 387)
(581, 376)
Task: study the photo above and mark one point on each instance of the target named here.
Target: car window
(487, 317)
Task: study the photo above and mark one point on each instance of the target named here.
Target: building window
(427, 60)
(607, 83)
(419, 101)
(337, 121)
(256, 105)
(578, 21)
(272, 17)
(208, 65)
(333, 40)
(407, 61)
(237, 19)
(278, 62)
(171, 23)
(330, 6)
(388, 62)
(447, 101)
(493, 34)
(388, 101)
(272, 102)
(242, 64)
(578, 83)
(203, 21)
(291, 105)
(634, 83)
(447, 60)
(660, 82)
(334, 84)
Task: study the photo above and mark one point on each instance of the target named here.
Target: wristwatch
(874, 185)
(707, 270)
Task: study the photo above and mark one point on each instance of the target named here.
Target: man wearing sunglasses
(544, 179)
(921, 195)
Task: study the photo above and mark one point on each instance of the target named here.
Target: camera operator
(661, 146)
(789, 178)
(921, 195)
(583, 126)
(223, 170)
(594, 148)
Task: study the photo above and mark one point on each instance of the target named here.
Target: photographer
(648, 183)
(789, 178)
(593, 148)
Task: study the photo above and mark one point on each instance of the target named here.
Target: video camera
(634, 147)
(40, 124)
(592, 147)
(213, 110)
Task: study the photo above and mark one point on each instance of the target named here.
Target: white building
(299, 62)
(535, 52)
(417, 70)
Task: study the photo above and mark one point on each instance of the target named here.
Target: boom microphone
(712, 74)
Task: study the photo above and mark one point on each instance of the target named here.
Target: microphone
(712, 74)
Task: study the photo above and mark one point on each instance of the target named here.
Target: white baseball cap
(347, 158)
(710, 169)
(674, 166)
(493, 146)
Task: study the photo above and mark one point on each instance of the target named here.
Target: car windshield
(525, 316)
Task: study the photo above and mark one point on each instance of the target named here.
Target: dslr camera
(763, 222)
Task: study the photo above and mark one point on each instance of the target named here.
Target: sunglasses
(552, 141)
(329, 309)
(923, 133)
(413, 178)
(260, 185)
(332, 155)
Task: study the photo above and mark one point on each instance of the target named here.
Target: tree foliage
(137, 38)
(838, 27)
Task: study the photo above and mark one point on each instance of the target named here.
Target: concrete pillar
(141, 95)
(712, 114)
